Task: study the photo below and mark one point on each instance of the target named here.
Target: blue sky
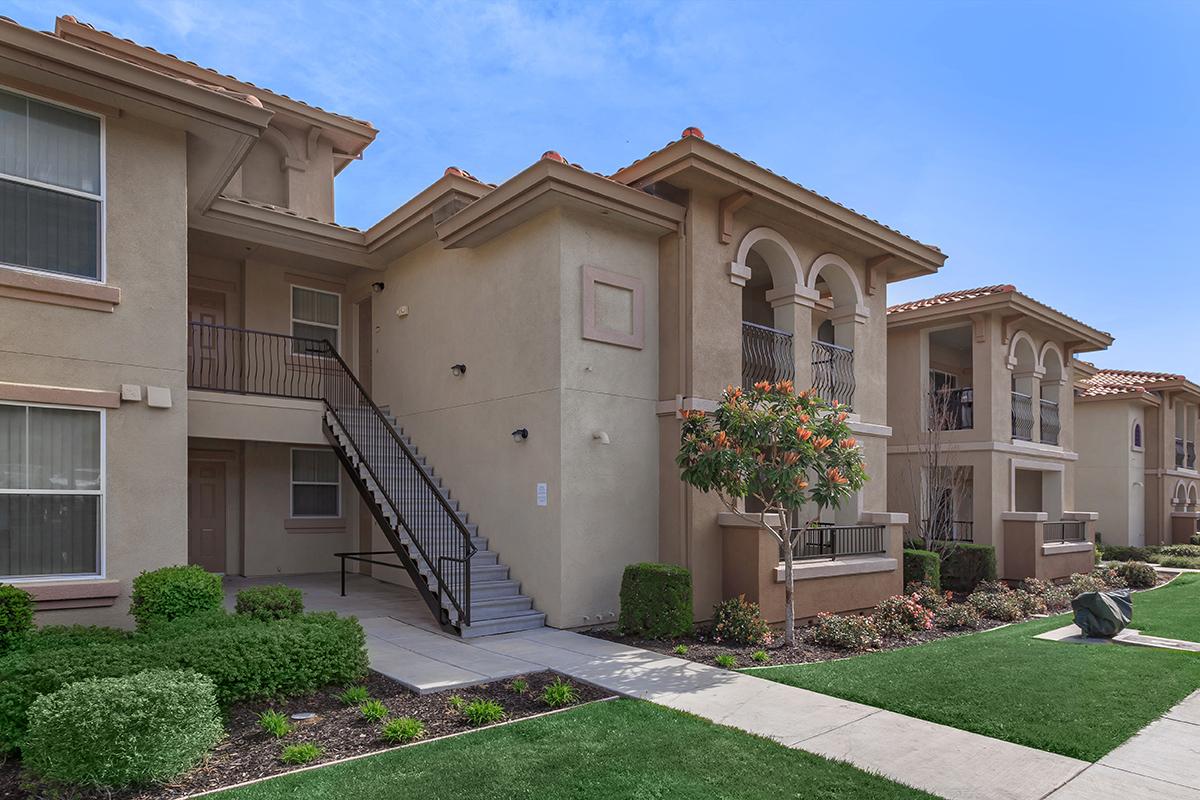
(1049, 145)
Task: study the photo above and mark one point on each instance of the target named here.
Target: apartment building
(198, 364)
(1137, 463)
(985, 427)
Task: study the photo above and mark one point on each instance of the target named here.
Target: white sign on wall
(542, 494)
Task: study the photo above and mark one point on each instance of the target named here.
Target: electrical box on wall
(402, 311)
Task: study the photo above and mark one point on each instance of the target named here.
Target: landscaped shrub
(248, 661)
(1111, 578)
(1114, 552)
(959, 616)
(1055, 597)
(656, 601)
(1030, 603)
(173, 592)
(1002, 606)
(55, 637)
(1138, 574)
(1195, 538)
(1081, 582)
(16, 616)
(923, 566)
(354, 695)
(966, 564)
(760, 657)
(1178, 562)
(402, 730)
(373, 710)
(303, 753)
(726, 660)
(846, 632)
(927, 596)
(114, 732)
(483, 712)
(274, 723)
(902, 614)
(1187, 550)
(993, 587)
(737, 621)
(559, 693)
(270, 602)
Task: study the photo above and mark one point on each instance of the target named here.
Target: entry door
(208, 347)
(206, 514)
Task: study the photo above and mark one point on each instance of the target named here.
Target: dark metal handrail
(1191, 455)
(950, 530)
(832, 541)
(1051, 424)
(1022, 416)
(952, 409)
(767, 355)
(1179, 452)
(1065, 531)
(833, 372)
(420, 508)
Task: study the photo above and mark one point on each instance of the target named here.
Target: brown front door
(208, 348)
(206, 514)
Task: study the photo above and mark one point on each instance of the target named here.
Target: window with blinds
(316, 484)
(315, 315)
(51, 491)
(51, 188)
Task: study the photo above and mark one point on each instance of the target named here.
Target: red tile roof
(952, 297)
(280, 209)
(1119, 381)
(214, 72)
(694, 132)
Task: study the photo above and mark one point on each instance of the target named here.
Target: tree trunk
(789, 624)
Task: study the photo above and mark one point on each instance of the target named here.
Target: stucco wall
(1109, 469)
(141, 342)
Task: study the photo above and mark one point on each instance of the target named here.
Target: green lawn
(1073, 699)
(620, 748)
(1172, 611)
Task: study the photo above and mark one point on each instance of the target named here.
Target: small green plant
(303, 753)
(373, 710)
(1138, 574)
(402, 730)
(355, 695)
(680, 650)
(519, 685)
(737, 621)
(483, 712)
(846, 632)
(16, 615)
(726, 661)
(959, 616)
(456, 702)
(269, 603)
(274, 723)
(559, 693)
(174, 592)
(760, 657)
(656, 601)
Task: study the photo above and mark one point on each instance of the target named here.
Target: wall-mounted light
(601, 437)
(377, 287)
(458, 370)
(520, 434)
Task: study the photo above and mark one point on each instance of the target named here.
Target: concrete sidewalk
(963, 766)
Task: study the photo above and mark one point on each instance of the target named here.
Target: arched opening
(1191, 497)
(835, 320)
(1050, 391)
(767, 267)
(1136, 438)
(1024, 387)
(1179, 497)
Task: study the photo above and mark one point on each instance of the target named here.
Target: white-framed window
(316, 483)
(51, 187)
(51, 492)
(315, 315)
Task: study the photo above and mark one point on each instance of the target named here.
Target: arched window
(1137, 436)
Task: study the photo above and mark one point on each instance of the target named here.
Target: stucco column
(793, 308)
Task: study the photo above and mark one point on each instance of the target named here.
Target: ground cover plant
(621, 748)
(1077, 700)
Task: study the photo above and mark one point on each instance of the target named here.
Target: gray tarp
(1103, 614)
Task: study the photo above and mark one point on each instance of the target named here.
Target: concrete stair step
(491, 627)
(494, 590)
(500, 607)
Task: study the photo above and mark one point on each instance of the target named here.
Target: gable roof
(952, 297)
(1115, 382)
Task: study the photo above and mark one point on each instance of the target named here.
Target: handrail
(833, 372)
(337, 394)
(767, 354)
(830, 541)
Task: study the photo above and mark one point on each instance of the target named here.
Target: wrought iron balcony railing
(834, 541)
(1191, 455)
(950, 530)
(1065, 531)
(952, 409)
(833, 372)
(1051, 424)
(1179, 453)
(767, 355)
(1022, 417)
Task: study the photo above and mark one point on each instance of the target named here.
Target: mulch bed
(248, 752)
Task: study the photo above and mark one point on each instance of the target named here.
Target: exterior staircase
(415, 522)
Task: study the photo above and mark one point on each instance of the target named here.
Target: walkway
(1163, 761)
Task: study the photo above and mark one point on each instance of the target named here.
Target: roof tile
(1120, 381)
(952, 297)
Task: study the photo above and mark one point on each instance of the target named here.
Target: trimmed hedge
(270, 602)
(656, 601)
(16, 615)
(109, 733)
(173, 592)
(1115, 552)
(965, 565)
(56, 637)
(247, 660)
(923, 566)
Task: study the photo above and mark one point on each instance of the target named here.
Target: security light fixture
(458, 369)
(377, 287)
(601, 437)
(520, 434)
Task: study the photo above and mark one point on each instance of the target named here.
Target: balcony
(1051, 424)
(952, 409)
(833, 372)
(1191, 455)
(1180, 453)
(1063, 532)
(767, 355)
(1022, 417)
(949, 530)
(832, 541)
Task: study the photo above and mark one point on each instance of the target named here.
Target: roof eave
(414, 222)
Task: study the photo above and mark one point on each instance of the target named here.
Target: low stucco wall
(1026, 555)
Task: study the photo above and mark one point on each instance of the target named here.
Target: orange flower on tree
(835, 476)
(800, 482)
(790, 458)
(822, 442)
(842, 417)
(721, 439)
(804, 433)
(848, 443)
(784, 386)
(804, 418)
(763, 386)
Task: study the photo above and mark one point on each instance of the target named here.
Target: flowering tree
(786, 449)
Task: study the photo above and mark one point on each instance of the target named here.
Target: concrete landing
(1073, 635)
